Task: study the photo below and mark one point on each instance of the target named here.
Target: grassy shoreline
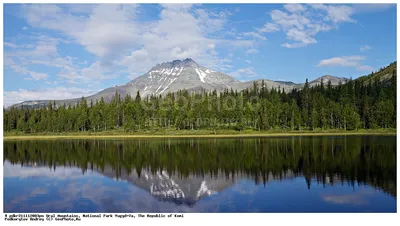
(191, 134)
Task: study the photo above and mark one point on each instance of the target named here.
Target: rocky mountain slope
(383, 74)
(177, 75)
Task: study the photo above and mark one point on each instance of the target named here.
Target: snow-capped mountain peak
(180, 74)
(176, 67)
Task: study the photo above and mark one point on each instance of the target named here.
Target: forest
(368, 102)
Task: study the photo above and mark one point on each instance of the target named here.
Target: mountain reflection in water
(183, 172)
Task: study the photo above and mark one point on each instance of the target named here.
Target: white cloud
(365, 48)
(211, 21)
(43, 47)
(11, 45)
(25, 28)
(248, 61)
(109, 30)
(294, 8)
(342, 61)
(300, 36)
(62, 173)
(9, 63)
(252, 51)
(49, 50)
(70, 75)
(364, 68)
(302, 23)
(81, 8)
(346, 61)
(180, 34)
(113, 33)
(95, 72)
(287, 20)
(293, 45)
(104, 33)
(254, 35)
(339, 13)
(36, 76)
(56, 62)
(18, 69)
(57, 93)
(244, 73)
(44, 52)
(268, 27)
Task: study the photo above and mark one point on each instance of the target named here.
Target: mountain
(326, 78)
(177, 75)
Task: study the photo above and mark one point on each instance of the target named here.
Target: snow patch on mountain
(209, 71)
(168, 85)
(201, 74)
(204, 190)
(165, 188)
(166, 72)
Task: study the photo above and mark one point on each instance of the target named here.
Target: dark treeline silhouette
(362, 103)
(352, 159)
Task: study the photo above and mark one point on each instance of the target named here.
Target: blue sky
(73, 50)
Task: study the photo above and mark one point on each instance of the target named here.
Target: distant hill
(383, 74)
(326, 78)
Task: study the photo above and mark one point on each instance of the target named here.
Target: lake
(269, 174)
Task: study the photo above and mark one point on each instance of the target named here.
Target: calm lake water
(274, 174)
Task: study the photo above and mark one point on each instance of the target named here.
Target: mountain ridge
(177, 75)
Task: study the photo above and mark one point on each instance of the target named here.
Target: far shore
(193, 134)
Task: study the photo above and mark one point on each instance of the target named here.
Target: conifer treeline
(350, 106)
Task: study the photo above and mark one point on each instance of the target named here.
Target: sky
(72, 50)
